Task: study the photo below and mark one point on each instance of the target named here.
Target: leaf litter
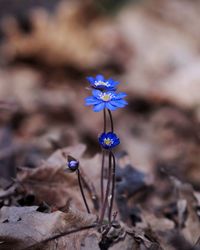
(157, 202)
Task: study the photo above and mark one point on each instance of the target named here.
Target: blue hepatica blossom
(110, 100)
(99, 82)
(72, 163)
(109, 140)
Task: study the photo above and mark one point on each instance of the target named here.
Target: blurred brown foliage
(152, 47)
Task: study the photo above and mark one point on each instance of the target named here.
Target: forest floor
(47, 51)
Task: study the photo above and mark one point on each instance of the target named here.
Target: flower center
(108, 141)
(102, 83)
(106, 97)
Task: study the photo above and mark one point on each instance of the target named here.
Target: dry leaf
(51, 183)
(22, 227)
(191, 226)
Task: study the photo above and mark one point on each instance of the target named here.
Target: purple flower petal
(120, 95)
(90, 79)
(100, 78)
(110, 106)
(91, 101)
(118, 103)
(97, 93)
(112, 82)
(99, 107)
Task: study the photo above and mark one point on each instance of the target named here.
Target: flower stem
(102, 175)
(104, 120)
(103, 159)
(113, 187)
(82, 193)
(107, 190)
(111, 121)
(91, 190)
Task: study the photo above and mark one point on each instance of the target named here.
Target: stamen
(108, 141)
(106, 97)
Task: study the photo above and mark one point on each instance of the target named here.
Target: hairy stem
(102, 175)
(113, 187)
(90, 188)
(103, 159)
(111, 121)
(104, 120)
(82, 193)
(105, 203)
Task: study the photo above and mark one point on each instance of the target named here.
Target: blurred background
(49, 47)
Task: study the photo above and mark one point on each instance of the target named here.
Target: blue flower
(72, 164)
(99, 82)
(110, 100)
(109, 140)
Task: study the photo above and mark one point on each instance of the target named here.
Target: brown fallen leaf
(91, 242)
(187, 200)
(128, 243)
(51, 183)
(157, 224)
(25, 227)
